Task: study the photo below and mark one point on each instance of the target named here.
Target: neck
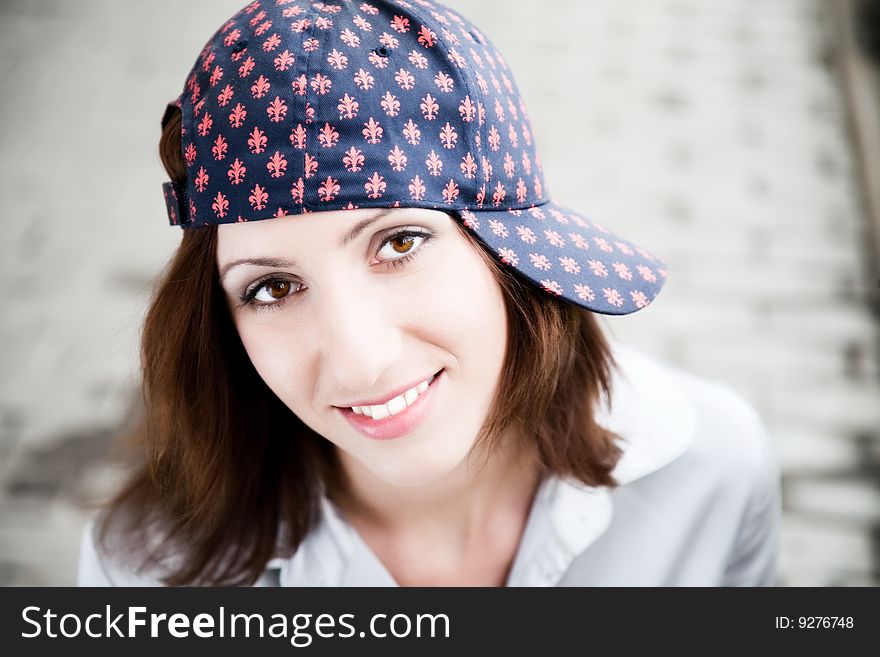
(458, 505)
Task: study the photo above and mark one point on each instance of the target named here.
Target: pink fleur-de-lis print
(368, 9)
(450, 192)
(377, 60)
(622, 270)
(209, 59)
(220, 205)
(412, 133)
(552, 287)
(558, 216)
(300, 25)
(521, 190)
(475, 55)
(469, 166)
(190, 154)
(644, 254)
(237, 115)
(470, 220)
(487, 168)
(310, 166)
(260, 87)
(646, 273)
(416, 189)
(389, 40)
(328, 136)
(508, 256)
(499, 194)
(527, 163)
(456, 58)
(257, 141)
(539, 187)
(539, 261)
(323, 23)
(236, 172)
(232, 37)
(427, 37)
(372, 131)
(353, 159)
(570, 265)
(526, 234)
(300, 85)
(362, 23)
(216, 76)
(277, 110)
(328, 189)
(498, 228)
(451, 37)
(511, 136)
(603, 244)
(246, 67)
(205, 124)
(310, 112)
(526, 134)
(639, 298)
(348, 107)
(467, 109)
(481, 83)
(448, 136)
(202, 179)
(404, 79)
(580, 222)
(435, 164)
(375, 185)
(219, 148)
(400, 24)
(225, 96)
(263, 28)
(337, 60)
(499, 111)
(297, 191)
(284, 61)
(298, 136)
(624, 248)
(443, 82)
(509, 165)
(494, 138)
(481, 196)
(272, 42)
(321, 84)
(598, 268)
(495, 83)
(311, 45)
(612, 296)
(292, 12)
(390, 104)
(196, 92)
(554, 238)
(350, 38)
(363, 79)
(258, 197)
(429, 107)
(277, 165)
(418, 60)
(579, 241)
(397, 159)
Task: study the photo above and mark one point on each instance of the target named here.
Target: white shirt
(699, 504)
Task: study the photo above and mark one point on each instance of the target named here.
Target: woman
(374, 357)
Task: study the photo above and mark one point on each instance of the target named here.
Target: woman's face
(347, 316)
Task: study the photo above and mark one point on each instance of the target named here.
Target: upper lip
(388, 397)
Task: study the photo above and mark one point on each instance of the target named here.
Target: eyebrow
(349, 237)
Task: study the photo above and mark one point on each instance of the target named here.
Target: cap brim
(569, 256)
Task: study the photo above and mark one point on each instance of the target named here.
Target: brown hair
(230, 477)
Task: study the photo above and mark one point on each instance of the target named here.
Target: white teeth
(395, 405)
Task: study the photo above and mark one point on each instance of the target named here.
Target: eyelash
(248, 298)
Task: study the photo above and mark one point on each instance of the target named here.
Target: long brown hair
(229, 477)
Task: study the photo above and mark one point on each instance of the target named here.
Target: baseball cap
(296, 107)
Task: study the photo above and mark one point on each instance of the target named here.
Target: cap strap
(176, 203)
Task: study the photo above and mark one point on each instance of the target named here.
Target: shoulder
(101, 565)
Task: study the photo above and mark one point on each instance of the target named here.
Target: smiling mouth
(396, 404)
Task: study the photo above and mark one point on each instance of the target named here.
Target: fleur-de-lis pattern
(297, 106)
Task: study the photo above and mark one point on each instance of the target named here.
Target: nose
(359, 340)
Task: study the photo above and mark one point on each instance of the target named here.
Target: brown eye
(278, 289)
(402, 243)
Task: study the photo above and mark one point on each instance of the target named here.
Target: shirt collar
(656, 423)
